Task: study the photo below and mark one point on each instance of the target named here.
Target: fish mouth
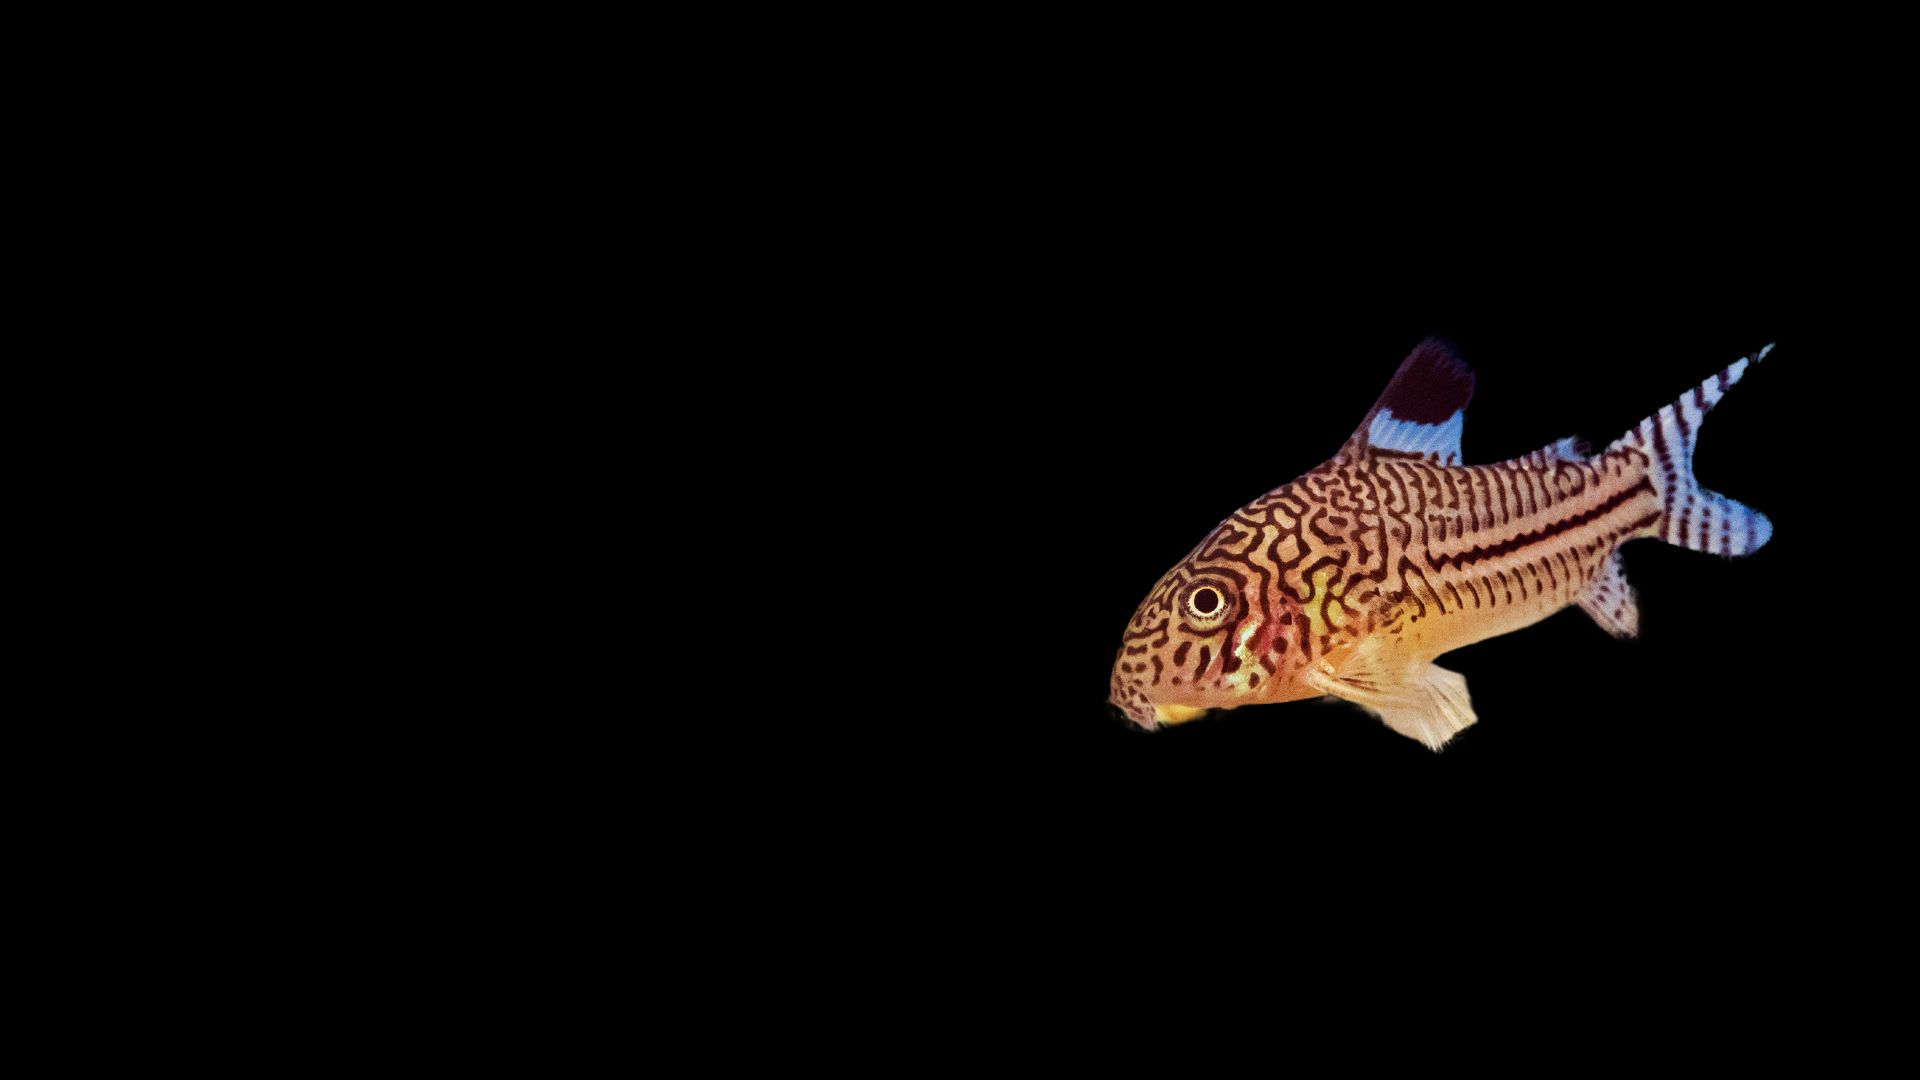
(1136, 717)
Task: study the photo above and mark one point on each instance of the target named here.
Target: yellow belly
(1176, 714)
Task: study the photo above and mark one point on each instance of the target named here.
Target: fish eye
(1206, 603)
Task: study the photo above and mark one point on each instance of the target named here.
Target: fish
(1352, 579)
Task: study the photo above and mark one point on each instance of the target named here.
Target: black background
(1068, 353)
(1084, 331)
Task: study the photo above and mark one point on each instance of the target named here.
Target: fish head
(1213, 634)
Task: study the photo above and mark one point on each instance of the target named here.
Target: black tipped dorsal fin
(1421, 412)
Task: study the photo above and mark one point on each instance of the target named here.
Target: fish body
(1353, 578)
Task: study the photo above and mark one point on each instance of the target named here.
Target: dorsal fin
(1422, 410)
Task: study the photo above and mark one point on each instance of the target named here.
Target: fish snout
(1135, 710)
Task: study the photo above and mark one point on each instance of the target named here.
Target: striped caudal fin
(1692, 516)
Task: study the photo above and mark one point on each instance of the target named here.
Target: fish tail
(1691, 516)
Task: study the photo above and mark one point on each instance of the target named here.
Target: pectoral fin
(1423, 702)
